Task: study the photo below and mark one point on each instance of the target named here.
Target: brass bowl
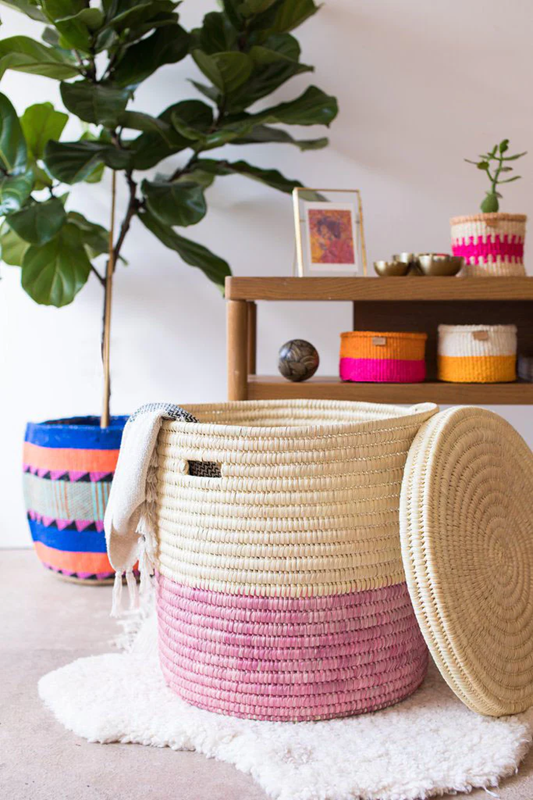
(407, 258)
(411, 259)
(391, 269)
(439, 264)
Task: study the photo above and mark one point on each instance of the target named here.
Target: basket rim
(82, 423)
(393, 414)
(388, 334)
(494, 216)
(473, 328)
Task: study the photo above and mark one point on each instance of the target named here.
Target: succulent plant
(495, 164)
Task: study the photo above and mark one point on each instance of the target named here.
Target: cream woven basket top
(295, 418)
(306, 503)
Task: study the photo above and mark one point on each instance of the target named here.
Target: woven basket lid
(466, 524)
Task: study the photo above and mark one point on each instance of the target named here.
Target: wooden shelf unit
(382, 304)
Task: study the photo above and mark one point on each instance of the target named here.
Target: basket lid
(467, 546)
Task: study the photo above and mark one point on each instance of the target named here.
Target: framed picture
(329, 232)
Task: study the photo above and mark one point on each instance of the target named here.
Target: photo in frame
(329, 232)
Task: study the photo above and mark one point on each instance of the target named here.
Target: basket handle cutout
(204, 469)
(480, 336)
(379, 341)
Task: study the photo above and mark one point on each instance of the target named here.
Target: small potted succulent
(101, 53)
(492, 243)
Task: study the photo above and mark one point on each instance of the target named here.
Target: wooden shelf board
(261, 387)
(380, 289)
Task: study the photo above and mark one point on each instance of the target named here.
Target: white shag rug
(428, 745)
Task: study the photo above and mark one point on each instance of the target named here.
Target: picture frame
(329, 232)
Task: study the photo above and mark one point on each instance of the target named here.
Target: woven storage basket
(281, 592)
(68, 467)
(491, 244)
(372, 356)
(525, 368)
(477, 353)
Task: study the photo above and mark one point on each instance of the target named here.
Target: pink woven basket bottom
(382, 370)
(274, 658)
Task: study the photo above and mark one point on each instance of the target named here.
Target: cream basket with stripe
(477, 353)
(281, 591)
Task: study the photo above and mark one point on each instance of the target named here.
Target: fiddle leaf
(192, 253)
(226, 70)
(39, 222)
(271, 177)
(13, 148)
(72, 162)
(53, 273)
(40, 123)
(14, 191)
(166, 45)
(12, 247)
(216, 35)
(27, 7)
(176, 203)
(26, 55)
(100, 104)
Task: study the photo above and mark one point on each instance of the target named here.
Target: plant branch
(80, 61)
(91, 72)
(217, 124)
(111, 63)
(497, 174)
(100, 277)
(133, 205)
(106, 331)
(183, 170)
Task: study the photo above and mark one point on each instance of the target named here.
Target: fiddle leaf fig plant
(101, 53)
(495, 164)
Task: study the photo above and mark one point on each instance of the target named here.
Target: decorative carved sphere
(298, 360)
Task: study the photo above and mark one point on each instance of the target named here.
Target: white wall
(420, 86)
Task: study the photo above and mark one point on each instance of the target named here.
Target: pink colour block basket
(281, 592)
(373, 356)
(491, 244)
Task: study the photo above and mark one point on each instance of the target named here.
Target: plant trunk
(108, 296)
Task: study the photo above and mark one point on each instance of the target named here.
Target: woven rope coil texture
(467, 542)
(209, 529)
(491, 244)
(281, 590)
(477, 353)
(382, 357)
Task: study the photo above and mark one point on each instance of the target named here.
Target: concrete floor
(45, 623)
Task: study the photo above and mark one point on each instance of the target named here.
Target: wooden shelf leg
(237, 339)
(252, 337)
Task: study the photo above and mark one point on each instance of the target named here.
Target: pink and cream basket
(491, 244)
(281, 593)
(308, 555)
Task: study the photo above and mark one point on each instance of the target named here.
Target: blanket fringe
(133, 590)
(145, 551)
(116, 602)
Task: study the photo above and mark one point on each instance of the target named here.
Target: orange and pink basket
(374, 356)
